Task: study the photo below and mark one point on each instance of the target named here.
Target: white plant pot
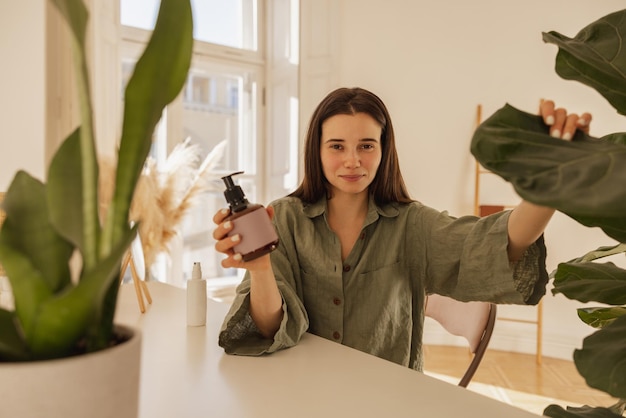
(95, 385)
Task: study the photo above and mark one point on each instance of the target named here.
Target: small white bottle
(196, 298)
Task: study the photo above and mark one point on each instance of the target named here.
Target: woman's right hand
(265, 299)
(226, 244)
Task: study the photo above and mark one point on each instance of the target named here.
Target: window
(222, 100)
(231, 23)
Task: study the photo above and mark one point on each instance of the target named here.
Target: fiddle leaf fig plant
(47, 223)
(585, 179)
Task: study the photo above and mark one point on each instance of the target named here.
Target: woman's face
(350, 152)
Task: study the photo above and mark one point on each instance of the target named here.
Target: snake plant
(48, 223)
(585, 179)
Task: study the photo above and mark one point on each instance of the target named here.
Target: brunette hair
(388, 185)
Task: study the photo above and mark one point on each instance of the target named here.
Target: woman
(357, 256)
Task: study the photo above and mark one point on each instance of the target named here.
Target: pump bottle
(250, 221)
(196, 298)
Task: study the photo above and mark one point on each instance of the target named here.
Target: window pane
(218, 104)
(232, 23)
(226, 22)
(139, 13)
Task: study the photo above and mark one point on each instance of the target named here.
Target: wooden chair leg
(539, 355)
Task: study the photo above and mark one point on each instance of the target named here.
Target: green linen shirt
(374, 300)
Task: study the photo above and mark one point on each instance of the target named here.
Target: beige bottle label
(255, 229)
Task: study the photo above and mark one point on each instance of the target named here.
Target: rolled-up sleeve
(239, 334)
(468, 260)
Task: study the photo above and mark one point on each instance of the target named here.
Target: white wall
(22, 87)
(432, 62)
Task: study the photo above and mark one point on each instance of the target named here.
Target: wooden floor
(554, 378)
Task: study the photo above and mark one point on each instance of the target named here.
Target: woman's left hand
(528, 221)
(563, 125)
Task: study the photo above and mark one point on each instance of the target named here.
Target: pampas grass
(163, 198)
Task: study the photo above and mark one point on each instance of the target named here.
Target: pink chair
(472, 320)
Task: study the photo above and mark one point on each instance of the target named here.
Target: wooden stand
(133, 257)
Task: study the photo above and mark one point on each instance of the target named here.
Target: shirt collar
(388, 210)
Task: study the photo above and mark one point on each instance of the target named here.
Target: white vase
(102, 384)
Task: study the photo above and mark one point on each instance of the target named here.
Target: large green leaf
(596, 57)
(602, 359)
(65, 191)
(159, 76)
(588, 281)
(66, 319)
(556, 411)
(33, 254)
(600, 317)
(576, 177)
(76, 15)
(101, 329)
(27, 230)
(12, 345)
(29, 288)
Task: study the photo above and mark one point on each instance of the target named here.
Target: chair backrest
(472, 320)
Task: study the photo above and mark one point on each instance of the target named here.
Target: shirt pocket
(374, 282)
(381, 303)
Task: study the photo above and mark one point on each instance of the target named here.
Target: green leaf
(601, 252)
(102, 327)
(576, 177)
(35, 257)
(65, 192)
(12, 345)
(596, 57)
(600, 317)
(28, 285)
(27, 229)
(602, 359)
(556, 411)
(75, 14)
(587, 281)
(618, 138)
(159, 76)
(64, 320)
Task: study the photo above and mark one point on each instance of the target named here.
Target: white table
(184, 373)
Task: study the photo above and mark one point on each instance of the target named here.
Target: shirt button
(346, 268)
(337, 301)
(336, 335)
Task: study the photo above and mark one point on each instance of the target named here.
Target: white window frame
(269, 150)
